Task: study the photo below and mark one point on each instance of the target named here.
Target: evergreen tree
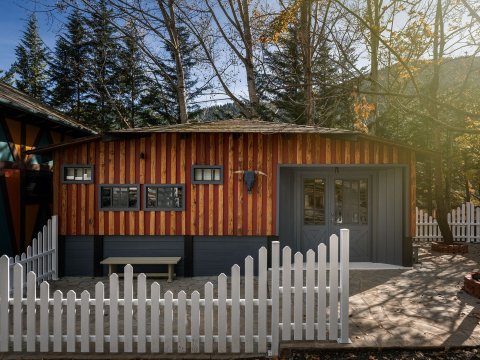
(103, 71)
(162, 94)
(132, 77)
(68, 68)
(284, 83)
(32, 61)
(7, 76)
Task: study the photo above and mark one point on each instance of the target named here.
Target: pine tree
(103, 80)
(69, 67)
(162, 92)
(284, 83)
(32, 62)
(132, 77)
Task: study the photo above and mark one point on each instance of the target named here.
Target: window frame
(76, 166)
(213, 167)
(157, 208)
(102, 186)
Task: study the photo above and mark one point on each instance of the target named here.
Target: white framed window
(77, 174)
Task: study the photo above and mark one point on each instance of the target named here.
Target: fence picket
(71, 321)
(45, 250)
(195, 322)
(31, 311)
(34, 254)
(55, 247)
(344, 284)
(322, 292)
(262, 300)
(275, 313)
(222, 313)
(249, 304)
(44, 322)
(39, 271)
(168, 320)
(85, 321)
(17, 307)
(298, 297)
(235, 310)
(57, 321)
(286, 293)
(49, 247)
(141, 313)
(182, 322)
(333, 284)
(113, 315)
(155, 316)
(128, 308)
(99, 317)
(310, 296)
(208, 318)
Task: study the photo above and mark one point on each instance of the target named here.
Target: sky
(13, 18)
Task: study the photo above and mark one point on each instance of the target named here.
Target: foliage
(32, 62)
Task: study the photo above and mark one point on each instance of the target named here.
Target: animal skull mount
(249, 177)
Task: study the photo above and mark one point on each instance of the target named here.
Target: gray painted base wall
(78, 255)
(213, 255)
(145, 246)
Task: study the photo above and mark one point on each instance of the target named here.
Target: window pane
(207, 174)
(106, 197)
(314, 201)
(78, 173)
(87, 174)
(198, 175)
(151, 197)
(132, 197)
(216, 175)
(351, 201)
(69, 173)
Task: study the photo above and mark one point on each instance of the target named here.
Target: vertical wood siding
(226, 209)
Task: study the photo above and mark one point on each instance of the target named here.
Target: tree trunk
(373, 15)
(174, 38)
(429, 185)
(438, 45)
(249, 63)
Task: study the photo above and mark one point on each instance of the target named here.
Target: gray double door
(327, 202)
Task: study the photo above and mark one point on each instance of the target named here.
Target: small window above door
(77, 174)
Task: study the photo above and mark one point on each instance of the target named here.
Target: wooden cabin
(215, 192)
(26, 192)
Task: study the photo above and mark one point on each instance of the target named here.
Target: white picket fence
(41, 257)
(304, 307)
(464, 222)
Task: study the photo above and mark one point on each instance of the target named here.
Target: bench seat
(170, 261)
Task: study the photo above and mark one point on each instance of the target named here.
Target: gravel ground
(461, 354)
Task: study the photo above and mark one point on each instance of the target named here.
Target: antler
(239, 172)
(258, 172)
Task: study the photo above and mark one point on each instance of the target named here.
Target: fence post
(55, 247)
(4, 297)
(344, 284)
(275, 254)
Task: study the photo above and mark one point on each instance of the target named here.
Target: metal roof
(238, 126)
(16, 99)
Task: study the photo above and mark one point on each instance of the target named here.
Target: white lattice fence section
(464, 222)
(308, 305)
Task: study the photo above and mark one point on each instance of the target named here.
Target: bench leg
(110, 266)
(170, 273)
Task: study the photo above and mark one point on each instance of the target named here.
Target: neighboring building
(26, 180)
(181, 190)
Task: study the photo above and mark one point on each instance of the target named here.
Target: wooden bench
(141, 260)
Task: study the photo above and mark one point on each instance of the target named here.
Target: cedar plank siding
(225, 209)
